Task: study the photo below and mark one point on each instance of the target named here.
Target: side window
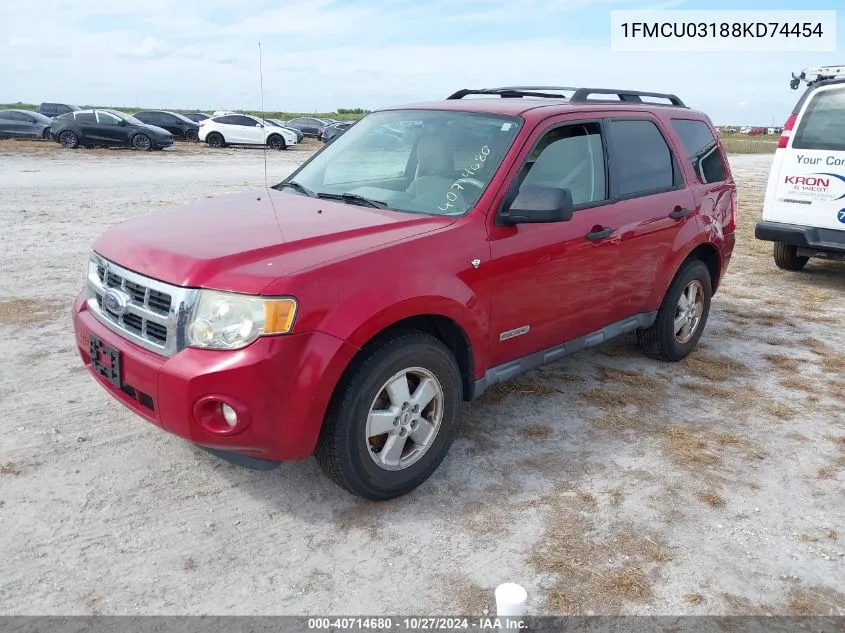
(105, 118)
(640, 159)
(85, 117)
(61, 109)
(147, 117)
(245, 121)
(702, 152)
(570, 157)
(20, 116)
(5, 115)
(225, 120)
(821, 124)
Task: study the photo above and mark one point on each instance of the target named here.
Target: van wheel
(392, 418)
(682, 315)
(786, 257)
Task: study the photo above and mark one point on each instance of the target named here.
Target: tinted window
(65, 117)
(569, 157)
(62, 109)
(244, 121)
(85, 117)
(48, 108)
(107, 119)
(5, 115)
(700, 145)
(821, 126)
(227, 120)
(147, 117)
(20, 116)
(641, 160)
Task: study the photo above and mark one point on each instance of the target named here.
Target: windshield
(421, 161)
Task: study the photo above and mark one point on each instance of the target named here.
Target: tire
(46, 135)
(192, 135)
(665, 340)
(360, 464)
(141, 142)
(215, 139)
(69, 139)
(786, 257)
(275, 141)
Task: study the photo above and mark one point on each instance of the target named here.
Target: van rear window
(823, 124)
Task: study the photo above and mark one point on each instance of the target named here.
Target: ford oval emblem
(115, 301)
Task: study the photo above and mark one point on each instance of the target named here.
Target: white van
(804, 208)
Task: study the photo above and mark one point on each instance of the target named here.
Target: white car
(244, 129)
(804, 207)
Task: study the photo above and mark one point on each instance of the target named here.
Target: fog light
(229, 415)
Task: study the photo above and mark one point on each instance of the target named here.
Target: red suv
(428, 253)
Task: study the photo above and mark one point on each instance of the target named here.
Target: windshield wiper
(295, 185)
(353, 197)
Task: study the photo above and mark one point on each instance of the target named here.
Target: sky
(319, 55)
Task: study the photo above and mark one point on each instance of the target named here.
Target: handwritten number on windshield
(479, 160)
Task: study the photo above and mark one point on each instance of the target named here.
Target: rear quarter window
(701, 148)
(641, 161)
(822, 125)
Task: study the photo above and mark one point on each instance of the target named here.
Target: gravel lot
(606, 483)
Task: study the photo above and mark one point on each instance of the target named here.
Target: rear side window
(86, 117)
(641, 162)
(823, 124)
(702, 152)
(227, 120)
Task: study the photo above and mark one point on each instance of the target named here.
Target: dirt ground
(605, 483)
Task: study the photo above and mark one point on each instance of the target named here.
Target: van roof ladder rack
(822, 73)
(579, 95)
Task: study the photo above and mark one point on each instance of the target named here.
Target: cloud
(150, 48)
(19, 41)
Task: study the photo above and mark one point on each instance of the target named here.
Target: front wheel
(392, 418)
(786, 257)
(276, 142)
(142, 142)
(682, 315)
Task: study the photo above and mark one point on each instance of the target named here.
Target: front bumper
(806, 238)
(283, 384)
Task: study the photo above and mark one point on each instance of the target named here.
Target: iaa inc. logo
(841, 215)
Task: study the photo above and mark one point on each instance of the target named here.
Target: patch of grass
(712, 498)
(833, 362)
(708, 389)
(606, 398)
(830, 535)
(28, 311)
(780, 361)
(796, 383)
(537, 431)
(694, 598)
(715, 367)
(638, 379)
(616, 497)
(689, 447)
(619, 420)
(728, 439)
(190, 564)
(781, 411)
(10, 468)
(815, 345)
(826, 472)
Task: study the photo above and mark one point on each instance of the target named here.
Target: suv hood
(239, 242)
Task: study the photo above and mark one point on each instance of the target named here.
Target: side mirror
(538, 204)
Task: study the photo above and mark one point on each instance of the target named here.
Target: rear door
(86, 123)
(652, 204)
(807, 181)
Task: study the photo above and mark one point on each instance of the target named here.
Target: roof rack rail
(582, 95)
(579, 95)
(823, 73)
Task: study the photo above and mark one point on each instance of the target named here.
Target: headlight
(225, 320)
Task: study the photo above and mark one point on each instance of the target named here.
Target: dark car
(53, 110)
(92, 128)
(178, 125)
(282, 124)
(24, 124)
(197, 116)
(309, 126)
(330, 132)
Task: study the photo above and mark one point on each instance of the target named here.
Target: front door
(552, 283)
(112, 129)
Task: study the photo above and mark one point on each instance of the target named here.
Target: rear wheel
(69, 139)
(215, 139)
(786, 257)
(142, 142)
(46, 135)
(276, 142)
(392, 417)
(682, 315)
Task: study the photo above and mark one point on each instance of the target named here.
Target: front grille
(151, 313)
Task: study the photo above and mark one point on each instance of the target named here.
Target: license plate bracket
(105, 360)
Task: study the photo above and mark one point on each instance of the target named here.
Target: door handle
(678, 213)
(600, 234)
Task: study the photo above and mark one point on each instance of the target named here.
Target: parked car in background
(244, 129)
(280, 123)
(332, 131)
(178, 125)
(53, 110)
(757, 131)
(24, 124)
(92, 128)
(197, 116)
(309, 126)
